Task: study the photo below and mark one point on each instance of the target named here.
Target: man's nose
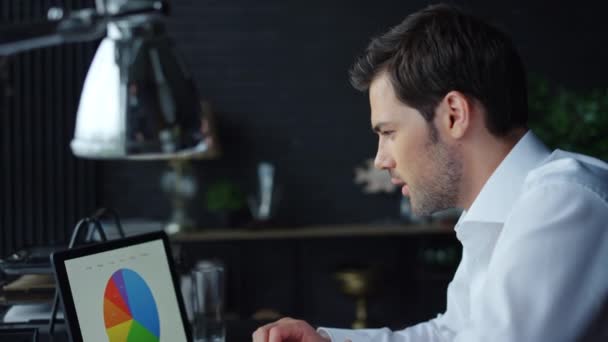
(383, 161)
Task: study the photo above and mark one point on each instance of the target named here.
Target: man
(448, 102)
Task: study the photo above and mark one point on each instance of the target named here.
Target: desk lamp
(138, 101)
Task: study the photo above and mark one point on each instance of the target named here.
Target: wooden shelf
(328, 231)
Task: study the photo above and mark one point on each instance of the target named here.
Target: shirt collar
(494, 201)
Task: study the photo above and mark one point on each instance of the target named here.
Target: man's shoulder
(568, 168)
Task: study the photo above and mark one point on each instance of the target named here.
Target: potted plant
(570, 120)
(226, 200)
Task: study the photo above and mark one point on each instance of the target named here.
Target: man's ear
(454, 114)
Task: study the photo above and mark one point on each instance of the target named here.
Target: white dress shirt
(535, 256)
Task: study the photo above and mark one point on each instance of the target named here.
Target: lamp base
(179, 222)
(180, 185)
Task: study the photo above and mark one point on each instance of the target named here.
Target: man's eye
(386, 133)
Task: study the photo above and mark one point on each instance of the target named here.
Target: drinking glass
(207, 302)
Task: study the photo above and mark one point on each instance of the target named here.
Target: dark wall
(44, 189)
(276, 74)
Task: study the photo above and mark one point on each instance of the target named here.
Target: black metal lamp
(138, 101)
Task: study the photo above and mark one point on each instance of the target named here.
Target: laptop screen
(126, 294)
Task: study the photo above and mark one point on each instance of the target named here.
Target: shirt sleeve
(427, 332)
(547, 277)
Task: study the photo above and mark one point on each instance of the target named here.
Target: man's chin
(422, 211)
(416, 210)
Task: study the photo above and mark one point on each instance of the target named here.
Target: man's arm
(288, 329)
(423, 332)
(440, 329)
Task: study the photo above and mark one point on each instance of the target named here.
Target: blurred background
(274, 75)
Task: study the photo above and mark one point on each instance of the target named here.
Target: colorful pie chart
(129, 310)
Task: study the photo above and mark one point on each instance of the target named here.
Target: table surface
(236, 330)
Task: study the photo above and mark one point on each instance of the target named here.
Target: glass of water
(207, 302)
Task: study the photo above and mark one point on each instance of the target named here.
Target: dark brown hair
(440, 49)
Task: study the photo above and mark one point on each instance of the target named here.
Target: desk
(236, 331)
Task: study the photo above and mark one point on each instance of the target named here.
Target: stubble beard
(438, 187)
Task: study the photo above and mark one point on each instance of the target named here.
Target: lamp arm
(79, 26)
(82, 25)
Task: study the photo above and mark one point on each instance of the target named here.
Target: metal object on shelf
(358, 284)
(262, 206)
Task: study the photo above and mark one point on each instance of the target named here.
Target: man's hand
(288, 330)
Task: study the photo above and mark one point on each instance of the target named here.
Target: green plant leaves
(224, 196)
(567, 119)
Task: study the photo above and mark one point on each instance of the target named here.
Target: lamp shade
(138, 101)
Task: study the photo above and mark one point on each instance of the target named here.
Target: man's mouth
(405, 190)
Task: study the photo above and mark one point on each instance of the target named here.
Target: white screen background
(89, 275)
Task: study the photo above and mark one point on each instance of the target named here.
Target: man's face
(427, 169)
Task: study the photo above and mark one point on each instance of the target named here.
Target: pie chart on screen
(129, 310)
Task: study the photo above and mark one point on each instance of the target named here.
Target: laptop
(122, 290)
